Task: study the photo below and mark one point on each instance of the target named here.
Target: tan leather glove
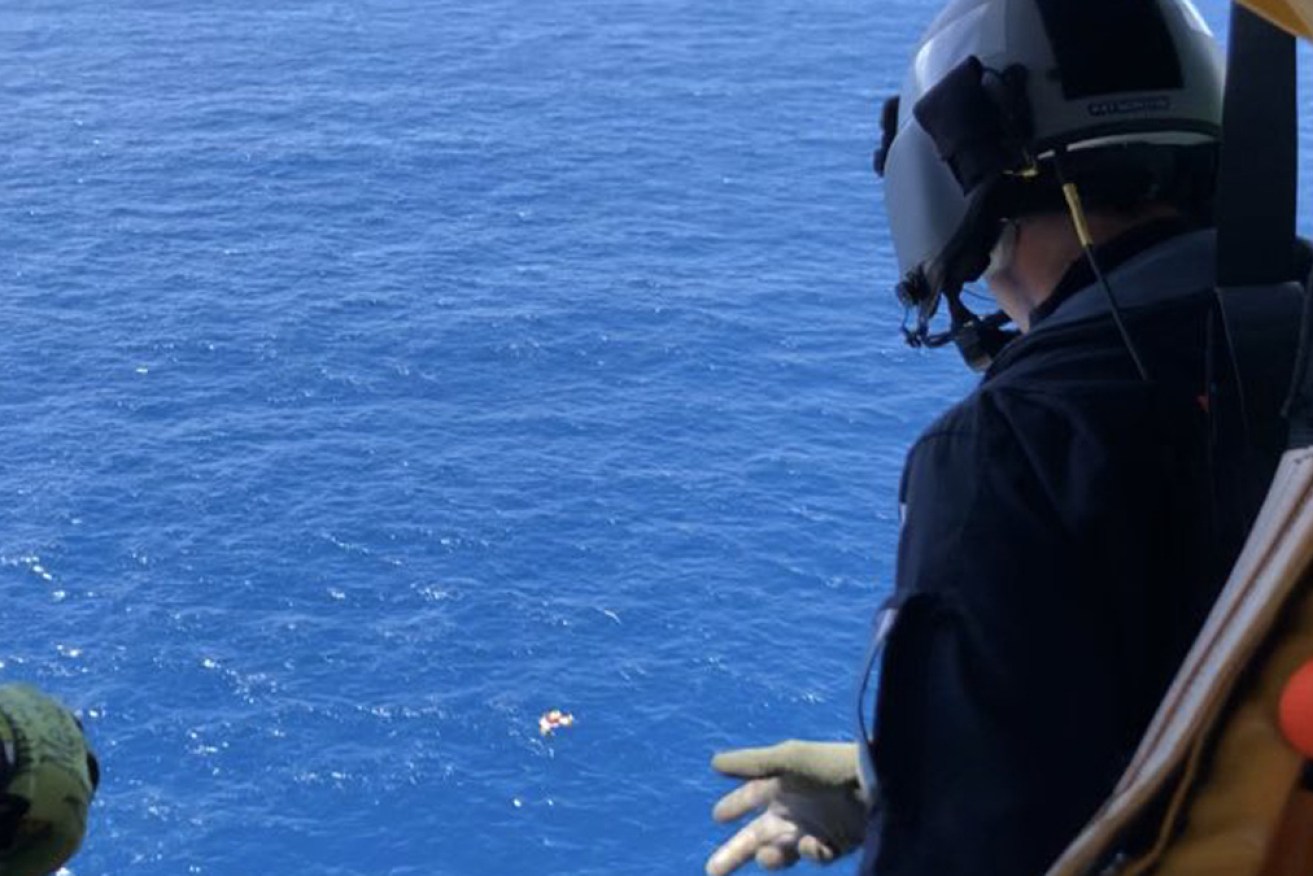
(808, 801)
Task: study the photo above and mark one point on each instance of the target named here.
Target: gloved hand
(47, 779)
(809, 801)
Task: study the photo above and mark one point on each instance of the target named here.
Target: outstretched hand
(808, 800)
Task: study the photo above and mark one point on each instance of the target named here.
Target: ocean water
(376, 376)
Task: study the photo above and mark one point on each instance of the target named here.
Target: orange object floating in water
(552, 721)
(1295, 711)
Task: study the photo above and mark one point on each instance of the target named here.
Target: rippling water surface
(378, 375)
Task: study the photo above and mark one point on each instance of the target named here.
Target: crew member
(1069, 524)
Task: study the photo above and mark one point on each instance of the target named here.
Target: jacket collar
(1182, 265)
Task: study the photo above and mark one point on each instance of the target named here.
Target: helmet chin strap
(979, 339)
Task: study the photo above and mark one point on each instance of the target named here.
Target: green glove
(47, 779)
(808, 799)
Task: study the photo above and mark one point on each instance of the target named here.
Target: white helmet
(1000, 90)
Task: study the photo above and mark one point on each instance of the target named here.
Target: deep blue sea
(376, 376)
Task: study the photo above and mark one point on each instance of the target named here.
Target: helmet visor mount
(978, 121)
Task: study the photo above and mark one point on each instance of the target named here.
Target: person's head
(1007, 99)
(47, 779)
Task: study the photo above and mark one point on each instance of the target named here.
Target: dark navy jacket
(1067, 527)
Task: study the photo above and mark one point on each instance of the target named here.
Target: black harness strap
(1256, 193)
(1257, 181)
(1299, 407)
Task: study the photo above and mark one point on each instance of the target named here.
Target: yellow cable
(1077, 215)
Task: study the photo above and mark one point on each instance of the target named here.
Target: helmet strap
(978, 339)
